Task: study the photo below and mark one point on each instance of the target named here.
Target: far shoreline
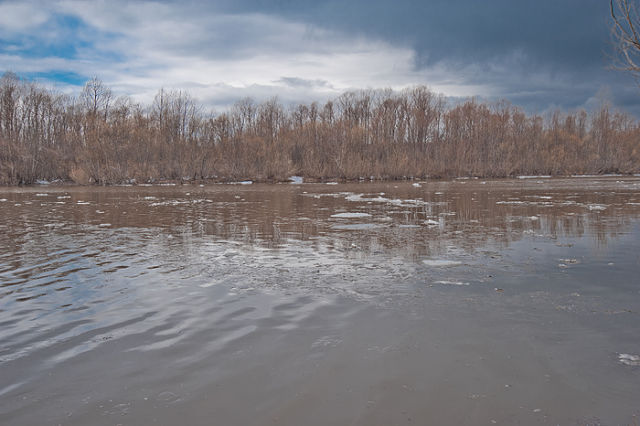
(297, 180)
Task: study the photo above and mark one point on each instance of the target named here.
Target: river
(461, 302)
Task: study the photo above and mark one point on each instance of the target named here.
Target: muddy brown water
(464, 302)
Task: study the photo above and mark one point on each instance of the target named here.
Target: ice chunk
(627, 359)
(451, 283)
(296, 179)
(597, 207)
(442, 263)
(357, 226)
(350, 215)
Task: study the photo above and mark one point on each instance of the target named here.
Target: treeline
(98, 138)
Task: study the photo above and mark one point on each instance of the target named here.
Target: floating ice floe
(441, 262)
(104, 225)
(332, 183)
(3, 200)
(450, 282)
(631, 360)
(296, 179)
(596, 207)
(417, 185)
(178, 202)
(392, 201)
(42, 182)
(431, 222)
(356, 226)
(349, 215)
(535, 177)
(83, 203)
(511, 202)
(42, 194)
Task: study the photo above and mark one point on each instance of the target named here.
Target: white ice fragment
(83, 203)
(3, 200)
(332, 183)
(42, 194)
(596, 207)
(536, 410)
(356, 226)
(441, 262)
(104, 225)
(431, 222)
(628, 359)
(451, 283)
(534, 217)
(535, 177)
(296, 179)
(350, 215)
(417, 185)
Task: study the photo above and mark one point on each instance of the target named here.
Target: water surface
(459, 302)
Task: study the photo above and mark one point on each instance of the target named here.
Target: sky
(541, 55)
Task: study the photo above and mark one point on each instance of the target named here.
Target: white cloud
(221, 57)
(20, 17)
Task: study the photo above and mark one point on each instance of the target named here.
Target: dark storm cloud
(538, 53)
(565, 33)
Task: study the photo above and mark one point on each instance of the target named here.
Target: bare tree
(626, 35)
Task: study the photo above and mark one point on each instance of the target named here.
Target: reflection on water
(459, 302)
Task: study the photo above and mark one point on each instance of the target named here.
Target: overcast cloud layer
(540, 54)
